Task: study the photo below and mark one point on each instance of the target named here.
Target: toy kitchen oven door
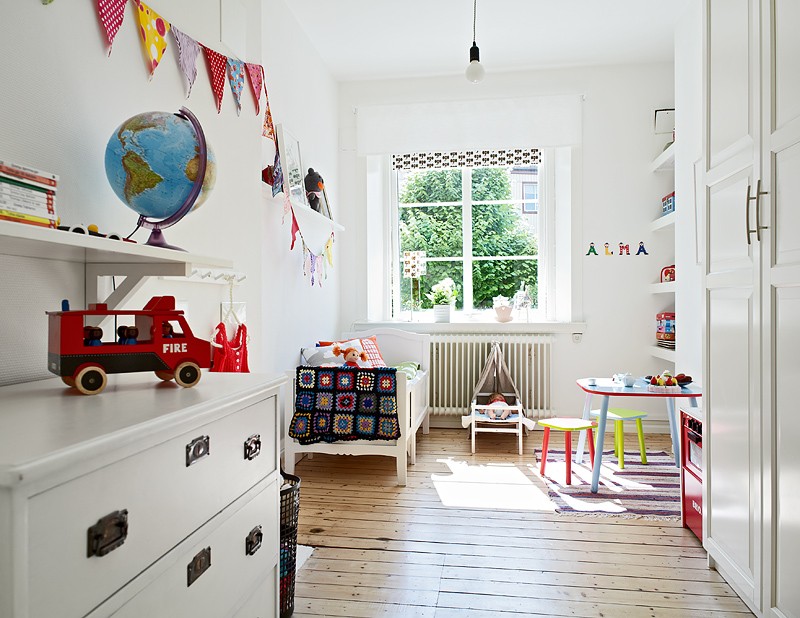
(692, 469)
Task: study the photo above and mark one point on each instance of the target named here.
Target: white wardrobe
(752, 318)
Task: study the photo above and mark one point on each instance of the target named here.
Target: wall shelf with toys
(663, 222)
(665, 162)
(102, 257)
(667, 287)
(662, 353)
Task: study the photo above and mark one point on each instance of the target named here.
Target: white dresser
(146, 500)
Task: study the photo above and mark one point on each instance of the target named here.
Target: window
(477, 224)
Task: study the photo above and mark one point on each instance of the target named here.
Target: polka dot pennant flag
(153, 31)
(236, 80)
(188, 49)
(216, 68)
(111, 14)
(256, 74)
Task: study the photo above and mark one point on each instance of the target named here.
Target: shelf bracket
(135, 277)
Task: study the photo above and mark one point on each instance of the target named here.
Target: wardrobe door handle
(759, 227)
(747, 213)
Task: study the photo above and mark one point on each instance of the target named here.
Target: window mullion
(466, 233)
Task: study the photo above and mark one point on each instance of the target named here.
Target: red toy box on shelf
(668, 203)
(159, 340)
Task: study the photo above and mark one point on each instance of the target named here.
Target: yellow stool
(567, 425)
(620, 415)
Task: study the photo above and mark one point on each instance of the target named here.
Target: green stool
(620, 415)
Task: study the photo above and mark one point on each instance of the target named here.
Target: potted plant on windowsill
(443, 296)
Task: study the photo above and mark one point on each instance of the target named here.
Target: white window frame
(545, 257)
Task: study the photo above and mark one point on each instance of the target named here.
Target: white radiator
(457, 362)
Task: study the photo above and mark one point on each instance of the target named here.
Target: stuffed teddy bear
(350, 355)
(314, 184)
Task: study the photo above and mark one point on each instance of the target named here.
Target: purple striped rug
(651, 491)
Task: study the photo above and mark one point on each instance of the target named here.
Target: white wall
(617, 201)
(62, 97)
(688, 143)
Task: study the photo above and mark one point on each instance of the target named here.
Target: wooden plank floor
(476, 536)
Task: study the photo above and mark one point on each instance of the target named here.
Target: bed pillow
(323, 356)
(367, 344)
(410, 368)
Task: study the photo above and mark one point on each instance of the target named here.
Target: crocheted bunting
(301, 425)
(365, 425)
(324, 401)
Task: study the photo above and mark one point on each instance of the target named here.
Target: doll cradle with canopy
(496, 378)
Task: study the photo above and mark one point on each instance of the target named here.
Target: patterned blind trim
(471, 158)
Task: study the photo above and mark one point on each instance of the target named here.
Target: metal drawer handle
(197, 449)
(252, 447)
(199, 565)
(252, 542)
(107, 534)
(759, 193)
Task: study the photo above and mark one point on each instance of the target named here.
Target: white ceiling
(376, 39)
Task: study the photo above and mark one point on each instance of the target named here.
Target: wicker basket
(290, 511)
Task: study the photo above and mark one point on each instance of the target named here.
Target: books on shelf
(27, 195)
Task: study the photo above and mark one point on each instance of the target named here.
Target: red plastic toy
(160, 340)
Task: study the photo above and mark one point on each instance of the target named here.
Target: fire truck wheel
(187, 374)
(91, 380)
(68, 381)
(165, 375)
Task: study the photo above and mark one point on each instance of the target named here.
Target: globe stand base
(157, 240)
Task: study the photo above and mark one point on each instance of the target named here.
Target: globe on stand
(161, 167)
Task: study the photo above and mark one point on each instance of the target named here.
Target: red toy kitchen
(692, 469)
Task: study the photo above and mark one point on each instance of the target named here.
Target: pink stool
(567, 425)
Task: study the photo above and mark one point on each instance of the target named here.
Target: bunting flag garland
(188, 49)
(294, 231)
(287, 207)
(153, 31)
(111, 14)
(256, 74)
(236, 80)
(216, 68)
(269, 126)
(329, 250)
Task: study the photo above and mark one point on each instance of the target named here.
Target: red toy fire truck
(159, 340)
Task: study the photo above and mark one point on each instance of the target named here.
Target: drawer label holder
(107, 534)
(252, 542)
(252, 447)
(197, 449)
(199, 565)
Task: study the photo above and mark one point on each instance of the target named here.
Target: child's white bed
(396, 347)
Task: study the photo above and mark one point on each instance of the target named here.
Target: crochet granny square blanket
(345, 403)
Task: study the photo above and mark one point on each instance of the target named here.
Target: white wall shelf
(315, 227)
(665, 162)
(663, 223)
(668, 287)
(102, 257)
(662, 353)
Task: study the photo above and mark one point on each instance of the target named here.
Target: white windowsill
(478, 323)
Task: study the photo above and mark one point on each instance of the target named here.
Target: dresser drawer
(216, 584)
(264, 601)
(165, 499)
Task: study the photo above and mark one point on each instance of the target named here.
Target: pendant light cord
(474, 18)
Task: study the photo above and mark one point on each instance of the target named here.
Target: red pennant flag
(256, 72)
(295, 229)
(216, 67)
(111, 14)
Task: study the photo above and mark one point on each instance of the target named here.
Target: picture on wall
(289, 149)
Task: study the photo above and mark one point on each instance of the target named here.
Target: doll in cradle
(497, 405)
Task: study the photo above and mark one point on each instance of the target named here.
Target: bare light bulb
(475, 71)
